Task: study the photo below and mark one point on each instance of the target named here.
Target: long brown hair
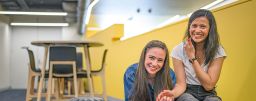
(140, 91)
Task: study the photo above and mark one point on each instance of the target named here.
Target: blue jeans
(197, 93)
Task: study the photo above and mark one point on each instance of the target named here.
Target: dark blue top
(129, 79)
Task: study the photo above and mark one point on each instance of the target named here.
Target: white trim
(89, 10)
(4, 89)
(94, 28)
(212, 4)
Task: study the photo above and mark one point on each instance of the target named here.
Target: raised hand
(189, 49)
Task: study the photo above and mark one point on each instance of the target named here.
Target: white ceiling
(159, 7)
(140, 16)
(130, 9)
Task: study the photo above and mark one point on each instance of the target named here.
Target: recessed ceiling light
(39, 24)
(34, 13)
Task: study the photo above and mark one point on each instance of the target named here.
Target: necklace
(200, 56)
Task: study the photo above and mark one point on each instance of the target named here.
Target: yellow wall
(236, 25)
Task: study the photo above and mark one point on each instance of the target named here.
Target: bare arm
(210, 78)
(207, 79)
(180, 86)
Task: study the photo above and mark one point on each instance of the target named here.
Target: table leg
(88, 69)
(39, 92)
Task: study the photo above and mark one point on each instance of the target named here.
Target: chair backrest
(62, 53)
(103, 61)
(79, 61)
(31, 59)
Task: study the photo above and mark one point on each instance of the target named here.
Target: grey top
(178, 52)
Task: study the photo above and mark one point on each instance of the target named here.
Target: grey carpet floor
(13, 95)
(20, 95)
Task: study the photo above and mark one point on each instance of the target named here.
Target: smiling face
(199, 29)
(154, 60)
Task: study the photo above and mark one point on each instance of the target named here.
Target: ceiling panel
(138, 9)
(158, 7)
(69, 6)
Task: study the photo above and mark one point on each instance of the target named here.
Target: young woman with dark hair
(197, 60)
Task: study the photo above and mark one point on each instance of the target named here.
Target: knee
(212, 98)
(186, 97)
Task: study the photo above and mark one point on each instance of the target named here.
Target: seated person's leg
(186, 97)
(212, 98)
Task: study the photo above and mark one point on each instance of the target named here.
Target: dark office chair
(80, 74)
(99, 72)
(62, 60)
(32, 74)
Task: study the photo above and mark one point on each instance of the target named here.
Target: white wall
(71, 33)
(4, 53)
(13, 59)
(22, 36)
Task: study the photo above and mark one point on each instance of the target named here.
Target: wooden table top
(79, 43)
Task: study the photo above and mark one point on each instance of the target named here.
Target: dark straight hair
(212, 43)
